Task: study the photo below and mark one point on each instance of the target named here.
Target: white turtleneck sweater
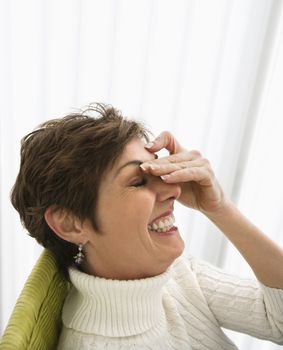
(183, 308)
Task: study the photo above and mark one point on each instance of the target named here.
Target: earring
(79, 257)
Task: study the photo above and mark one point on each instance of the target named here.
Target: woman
(93, 191)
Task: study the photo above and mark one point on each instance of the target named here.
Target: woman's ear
(65, 225)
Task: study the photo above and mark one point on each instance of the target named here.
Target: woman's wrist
(224, 209)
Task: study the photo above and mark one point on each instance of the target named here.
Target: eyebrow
(134, 162)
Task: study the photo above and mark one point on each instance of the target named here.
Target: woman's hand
(200, 188)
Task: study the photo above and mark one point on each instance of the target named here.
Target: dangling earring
(79, 257)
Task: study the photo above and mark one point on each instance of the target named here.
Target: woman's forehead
(134, 153)
(135, 148)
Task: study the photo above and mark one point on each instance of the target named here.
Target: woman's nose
(166, 191)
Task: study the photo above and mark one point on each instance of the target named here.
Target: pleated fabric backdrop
(209, 71)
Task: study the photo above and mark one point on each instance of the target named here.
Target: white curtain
(209, 71)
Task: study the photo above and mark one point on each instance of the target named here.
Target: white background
(209, 71)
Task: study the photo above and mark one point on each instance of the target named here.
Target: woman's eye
(140, 183)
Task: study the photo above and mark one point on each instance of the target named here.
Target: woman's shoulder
(191, 265)
(184, 273)
(193, 272)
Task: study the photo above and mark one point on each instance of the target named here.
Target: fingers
(197, 174)
(183, 167)
(173, 162)
(180, 166)
(164, 166)
(165, 140)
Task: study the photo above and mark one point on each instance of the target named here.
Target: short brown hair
(62, 164)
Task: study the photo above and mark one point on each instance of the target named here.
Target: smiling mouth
(164, 224)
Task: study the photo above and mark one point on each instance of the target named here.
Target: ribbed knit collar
(114, 308)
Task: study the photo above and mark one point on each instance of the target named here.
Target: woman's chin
(170, 242)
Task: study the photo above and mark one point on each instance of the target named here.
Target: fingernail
(143, 166)
(149, 145)
(164, 177)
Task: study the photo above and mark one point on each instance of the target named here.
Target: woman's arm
(201, 191)
(262, 254)
(240, 304)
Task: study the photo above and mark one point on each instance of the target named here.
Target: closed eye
(140, 183)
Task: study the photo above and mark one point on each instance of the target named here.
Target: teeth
(163, 225)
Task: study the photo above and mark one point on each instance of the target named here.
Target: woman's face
(132, 207)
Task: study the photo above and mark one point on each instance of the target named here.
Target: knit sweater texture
(183, 308)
